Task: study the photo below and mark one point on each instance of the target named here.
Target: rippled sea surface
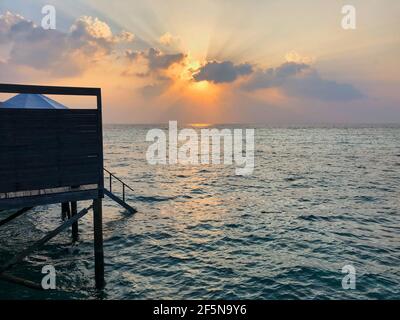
(320, 198)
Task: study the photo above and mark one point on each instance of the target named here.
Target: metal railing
(113, 177)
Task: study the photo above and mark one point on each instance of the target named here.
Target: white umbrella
(31, 101)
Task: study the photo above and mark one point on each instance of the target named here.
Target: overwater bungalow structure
(50, 154)
(31, 101)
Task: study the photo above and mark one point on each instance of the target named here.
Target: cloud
(156, 89)
(157, 64)
(293, 56)
(222, 72)
(301, 80)
(7, 21)
(60, 53)
(125, 36)
(168, 40)
(313, 86)
(89, 33)
(32, 50)
(156, 60)
(159, 60)
(271, 77)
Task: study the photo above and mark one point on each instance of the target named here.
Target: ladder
(108, 191)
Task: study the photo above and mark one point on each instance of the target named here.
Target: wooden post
(75, 231)
(65, 211)
(98, 242)
(14, 215)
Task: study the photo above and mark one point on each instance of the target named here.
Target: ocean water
(319, 198)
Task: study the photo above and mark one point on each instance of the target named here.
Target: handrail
(124, 185)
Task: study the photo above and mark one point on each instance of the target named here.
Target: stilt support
(75, 231)
(20, 281)
(98, 242)
(14, 215)
(65, 211)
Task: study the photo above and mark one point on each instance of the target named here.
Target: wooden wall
(41, 149)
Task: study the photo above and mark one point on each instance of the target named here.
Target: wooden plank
(23, 282)
(57, 125)
(46, 131)
(51, 160)
(57, 170)
(70, 112)
(39, 116)
(14, 215)
(74, 91)
(48, 199)
(58, 145)
(49, 180)
(8, 170)
(13, 185)
(89, 178)
(16, 115)
(60, 124)
(41, 161)
(21, 130)
(31, 151)
(21, 160)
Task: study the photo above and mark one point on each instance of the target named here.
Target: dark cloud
(300, 79)
(274, 77)
(222, 72)
(159, 60)
(313, 86)
(156, 59)
(289, 69)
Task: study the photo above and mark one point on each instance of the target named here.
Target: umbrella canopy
(31, 101)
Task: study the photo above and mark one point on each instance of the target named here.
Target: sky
(212, 61)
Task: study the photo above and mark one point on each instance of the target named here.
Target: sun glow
(202, 91)
(201, 85)
(184, 84)
(200, 125)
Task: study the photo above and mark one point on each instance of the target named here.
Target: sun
(188, 69)
(184, 84)
(201, 85)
